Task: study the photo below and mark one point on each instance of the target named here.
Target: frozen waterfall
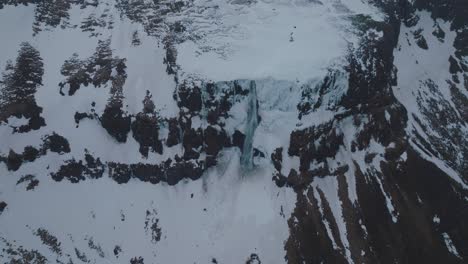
(251, 125)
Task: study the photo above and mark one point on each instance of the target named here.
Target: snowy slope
(235, 131)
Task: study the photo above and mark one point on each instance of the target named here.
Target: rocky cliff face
(242, 131)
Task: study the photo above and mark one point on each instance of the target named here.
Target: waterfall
(252, 123)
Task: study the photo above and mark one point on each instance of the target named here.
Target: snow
(448, 242)
(416, 65)
(285, 40)
(229, 216)
(241, 217)
(329, 187)
(327, 224)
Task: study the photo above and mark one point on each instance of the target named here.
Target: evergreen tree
(51, 13)
(21, 80)
(148, 104)
(19, 84)
(76, 71)
(7, 77)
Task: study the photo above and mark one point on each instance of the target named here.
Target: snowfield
(275, 131)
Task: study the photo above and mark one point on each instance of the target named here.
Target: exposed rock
(136, 39)
(137, 260)
(71, 170)
(189, 97)
(145, 130)
(96, 247)
(152, 227)
(20, 255)
(56, 143)
(147, 172)
(117, 251)
(277, 158)
(238, 139)
(80, 116)
(439, 33)
(94, 167)
(315, 143)
(14, 161)
(454, 67)
(49, 240)
(116, 122)
(32, 181)
(192, 141)
(30, 153)
(76, 171)
(3, 205)
(121, 173)
(181, 170)
(214, 140)
(253, 259)
(174, 133)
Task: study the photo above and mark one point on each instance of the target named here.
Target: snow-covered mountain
(237, 131)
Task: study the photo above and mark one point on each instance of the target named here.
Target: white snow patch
(329, 187)
(450, 246)
(287, 40)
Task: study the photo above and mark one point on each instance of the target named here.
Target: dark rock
(32, 185)
(420, 40)
(32, 182)
(147, 172)
(121, 173)
(253, 259)
(454, 67)
(34, 123)
(214, 140)
(94, 167)
(71, 170)
(57, 144)
(369, 157)
(152, 226)
(190, 97)
(80, 116)
(191, 154)
(14, 161)
(182, 170)
(136, 38)
(280, 180)
(145, 130)
(25, 178)
(116, 122)
(30, 153)
(137, 260)
(210, 161)
(277, 158)
(174, 133)
(192, 140)
(171, 58)
(238, 139)
(439, 33)
(315, 143)
(258, 153)
(49, 240)
(460, 42)
(117, 251)
(3, 205)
